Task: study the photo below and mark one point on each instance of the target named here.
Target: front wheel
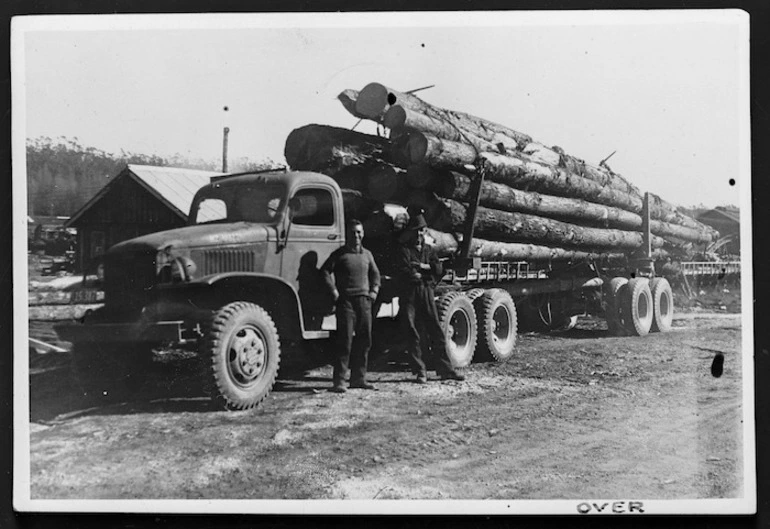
(243, 345)
(458, 321)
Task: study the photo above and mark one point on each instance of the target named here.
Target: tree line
(62, 174)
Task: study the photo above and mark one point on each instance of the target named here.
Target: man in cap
(354, 288)
(418, 271)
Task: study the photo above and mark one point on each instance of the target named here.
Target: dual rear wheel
(481, 322)
(638, 306)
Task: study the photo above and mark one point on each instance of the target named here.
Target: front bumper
(156, 332)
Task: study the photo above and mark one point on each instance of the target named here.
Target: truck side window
(316, 208)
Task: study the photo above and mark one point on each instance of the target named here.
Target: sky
(667, 91)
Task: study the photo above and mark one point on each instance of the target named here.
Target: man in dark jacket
(354, 288)
(418, 270)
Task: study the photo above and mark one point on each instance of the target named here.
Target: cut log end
(372, 101)
(395, 117)
(417, 147)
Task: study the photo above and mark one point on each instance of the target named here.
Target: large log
(375, 99)
(386, 183)
(423, 176)
(352, 177)
(399, 118)
(398, 110)
(423, 148)
(506, 226)
(348, 99)
(499, 196)
(317, 147)
(357, 205)
(515, 171)
(447, 245)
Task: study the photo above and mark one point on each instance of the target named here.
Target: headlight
(173, 269)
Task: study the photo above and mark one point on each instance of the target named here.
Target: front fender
(272, 293)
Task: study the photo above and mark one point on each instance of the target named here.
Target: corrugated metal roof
(732, 214)
(175, 185)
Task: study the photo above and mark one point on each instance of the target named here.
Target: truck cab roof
(291, 178)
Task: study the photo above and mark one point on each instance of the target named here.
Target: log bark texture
(447, 245)
(505, 226)
(499, 196)
(386, 183)
(375, 99)
(357, 205)
(399, 118)
(399, 110)
(317, 147)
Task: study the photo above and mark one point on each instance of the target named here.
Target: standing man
(354, 288)
(418, 271)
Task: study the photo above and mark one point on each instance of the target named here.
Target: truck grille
(227, 260)
(128, 279)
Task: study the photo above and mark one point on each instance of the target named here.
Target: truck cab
(239, 280)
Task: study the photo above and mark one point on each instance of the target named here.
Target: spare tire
(497, 325)
(458, 322)
(662, 305)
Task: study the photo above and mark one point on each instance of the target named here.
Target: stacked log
(408, 115)
(403, 112)
(535, 203)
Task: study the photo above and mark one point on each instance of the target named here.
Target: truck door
(316, 231)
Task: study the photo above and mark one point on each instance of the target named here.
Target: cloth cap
(417, 223)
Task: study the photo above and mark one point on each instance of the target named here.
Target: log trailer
(242, 281)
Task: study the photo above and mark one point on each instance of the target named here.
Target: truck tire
(245, 352)
(662, 305)
(474, 293)
(614, 314)
(497, 325)
(458, 321)
(110, 371)
(636, 304)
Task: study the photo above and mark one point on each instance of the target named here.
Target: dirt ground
(572, 415)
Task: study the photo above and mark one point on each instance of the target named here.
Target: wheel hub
(501, 324)
(247, 355)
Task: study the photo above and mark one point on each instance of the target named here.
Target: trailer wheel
(662, 305)
(615, 313)
(243, 345)
(637, 306)
(497, 325)
(458, 321)
(110, 370)
(474, 293)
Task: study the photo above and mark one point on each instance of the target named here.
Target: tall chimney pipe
(224, 149)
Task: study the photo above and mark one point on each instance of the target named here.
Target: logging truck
(242, 281)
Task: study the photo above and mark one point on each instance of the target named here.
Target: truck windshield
(258, 203)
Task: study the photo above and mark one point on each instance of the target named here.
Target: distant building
(40, 227)
(141, 199)
(726, 220)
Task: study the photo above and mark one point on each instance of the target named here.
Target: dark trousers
(422, 329)
(354, 335)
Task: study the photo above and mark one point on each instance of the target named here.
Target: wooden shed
(141, 199)
(726, 220)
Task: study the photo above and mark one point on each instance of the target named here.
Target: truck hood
(193, 237)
